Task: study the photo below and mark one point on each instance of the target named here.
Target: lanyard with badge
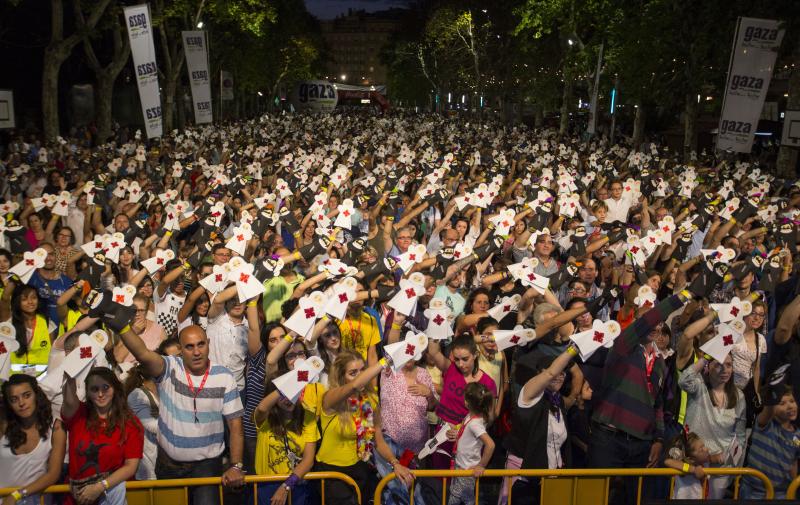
(199, 389)
(458, 437)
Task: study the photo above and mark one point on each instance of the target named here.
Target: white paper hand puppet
(292, 383)
(410, 348)
(601, 334)
(439, 323)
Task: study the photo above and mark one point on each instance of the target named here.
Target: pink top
(30, 237)
(151, 336)
(451, 406)
(402, 413)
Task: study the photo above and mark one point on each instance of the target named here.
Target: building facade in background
(355, 41)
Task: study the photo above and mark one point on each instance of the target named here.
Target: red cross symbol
(302, 376)
(652, 240)
(218, 277)
(29, 262)
(727, 340)
(411, 293)
(346, 213)
(506, 308)
(98, 245)
(734, 311)
(114, 244)
(3, 349)
(160, 261)
(438, 319)
(506, 224)
(457, 254)
(64, 203)
(666, 229)
(514, 339)
(647, 304)
(309, 312)
(410, 349)
(243, 277)
(119, 298)
(531, 277)
(634, 250)
(412, 257)
(342, 297)
(598, 336)
(86, 352)
(240, 237)
(627, 188)
(170, 216)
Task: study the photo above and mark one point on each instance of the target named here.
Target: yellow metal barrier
(176, 491)
(576, 486)
(791, 491)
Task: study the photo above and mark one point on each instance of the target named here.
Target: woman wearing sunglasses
(105, 439)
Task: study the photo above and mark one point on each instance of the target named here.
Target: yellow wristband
(252, 303)
(168, 233)
(685, 467)
(288, 338)
(396, 326)
(126, 329)
(572, 351)
(105, 484)
(297, 255)
(733, 220)
(325, 317)
(685, 294)
(16, 495)
(390, 218)
(382, 362)
(187, 266)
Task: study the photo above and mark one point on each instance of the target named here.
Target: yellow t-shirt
(271, 456)
(338, 446)
(312, 398)
(360, 334)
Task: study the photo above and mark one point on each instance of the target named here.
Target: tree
(57, 51)
(105, 76)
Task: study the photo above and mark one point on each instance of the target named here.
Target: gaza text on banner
(755, 49)
(194, 46)
(140, 32)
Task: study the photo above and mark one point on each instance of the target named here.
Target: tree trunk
(566, 101)
(690, 126)
(103, 96)
(52, 67)
(638, 126)
(170, 87)
(787, 156)
(181, 107)
(538, 115)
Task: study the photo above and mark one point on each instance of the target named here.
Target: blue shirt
(49, 291)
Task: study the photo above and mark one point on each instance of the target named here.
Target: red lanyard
(649, 362)
(352, 332)
(458, 437)
(196, 392)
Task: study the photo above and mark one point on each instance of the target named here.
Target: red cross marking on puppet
(412, 257)
(634, 250)
(243, 277)
(29, 263)
(507, 308)
(598, 336)
(240, 237)
(119, 298)
(343, 297)
(218, 278)
(346, 213)
(410, 349)
(302, 376)
(727, 340)
(514, 339)
(160, 261)
(438, 319)
(734, 311)
(309, 312)
(411, 293)
(3, 349)
(86, 352)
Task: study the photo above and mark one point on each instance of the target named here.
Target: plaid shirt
(625, 400)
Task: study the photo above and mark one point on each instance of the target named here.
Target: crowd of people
(370, 295)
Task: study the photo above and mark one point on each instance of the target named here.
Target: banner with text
(226, 85)
(194, 45)
(755, 47)
(140, 32)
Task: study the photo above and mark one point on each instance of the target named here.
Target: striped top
(774, 451)
(625, 401)
(179, 435)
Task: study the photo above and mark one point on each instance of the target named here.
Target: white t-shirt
(556, 433)
(227, 345)
(469, 446)
(687, 487)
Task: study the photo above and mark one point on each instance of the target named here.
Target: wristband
(291, 482)
(187, 266)
(707, 357)
(252, 303)
(288, 338)
(733, 220)
(297, 255)
(105, 484)
(382, 362)
(572, 351)
(685, 294)
(390, 218)
(396, 326)
(325, 317)
(168, 233)
(126, 329)
(686, 468)
(16, 495)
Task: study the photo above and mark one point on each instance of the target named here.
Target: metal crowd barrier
(176, 491)
(577, 486)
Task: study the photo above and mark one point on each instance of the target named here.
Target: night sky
(329, 9)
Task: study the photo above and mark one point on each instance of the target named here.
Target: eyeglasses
(294, 355)
(96, 389)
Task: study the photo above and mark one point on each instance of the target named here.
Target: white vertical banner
(140, 32)
(194, 46)
(755, 48)
(226, 85)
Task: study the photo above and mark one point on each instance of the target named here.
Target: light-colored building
(355, 41)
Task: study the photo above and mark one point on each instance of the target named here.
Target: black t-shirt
(787, 353)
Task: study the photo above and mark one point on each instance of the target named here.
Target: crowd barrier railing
(575, 486)
(791, 491)
(176, 491)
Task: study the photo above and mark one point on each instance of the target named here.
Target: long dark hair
(278, 422)
(467, 341)
(471, 299)
(18, 319)
(119, 415)
(43, 412)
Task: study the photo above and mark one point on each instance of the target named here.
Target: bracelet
(707, 357)
(291, 482)
(252, 303)
(733, 220)
(104, 482)
(382, 362)
(394, 462)
(325, 317)
(297, 255)
(396, 326)
(126, 329)
(685, 468)
(685, 294)
(16, 495)
(168, 233)
(288, 338)
(187, 266)
(572, 351)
